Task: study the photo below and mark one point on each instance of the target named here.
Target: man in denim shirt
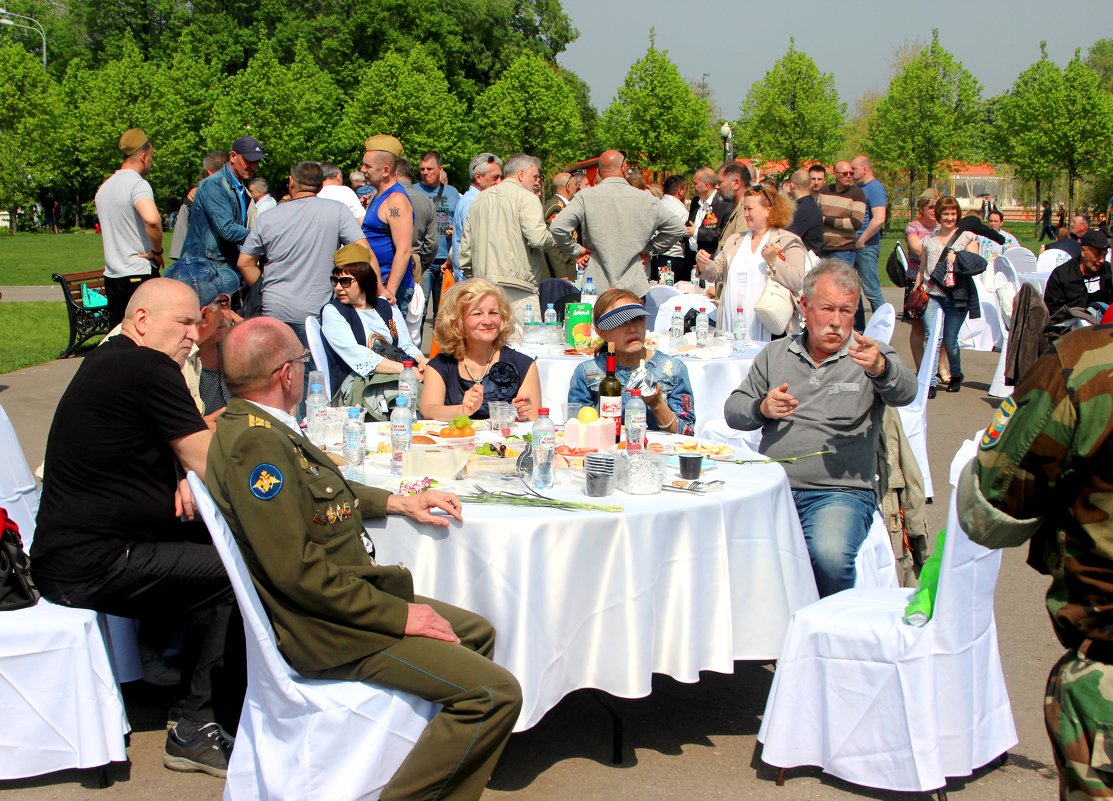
(822, 393)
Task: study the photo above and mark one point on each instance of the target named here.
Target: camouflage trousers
(1078, 711)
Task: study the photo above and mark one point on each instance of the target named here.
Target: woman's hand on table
(418, 507)
(422, 621)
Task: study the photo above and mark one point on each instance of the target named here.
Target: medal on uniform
(331, 513)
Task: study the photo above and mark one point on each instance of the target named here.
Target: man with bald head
(868, 243)
(617, 224)
(844, 208)
(110, 534)
(389, 222)
(807, 220)
(707, 214)
(337, 613)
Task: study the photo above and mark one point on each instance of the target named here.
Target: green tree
(292, 109)
(407, 96)
(1083, 132)
(531, 109)
(657, 119)
(793, 113)
(1027, 120)
(929, 115)
(29, 116)
(589, 115)
(1100, 59)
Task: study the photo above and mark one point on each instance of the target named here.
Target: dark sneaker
(207, 750)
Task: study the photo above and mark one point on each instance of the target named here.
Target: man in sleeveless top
(389, 223)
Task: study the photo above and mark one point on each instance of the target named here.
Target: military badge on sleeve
(265, 481)
(997, 425)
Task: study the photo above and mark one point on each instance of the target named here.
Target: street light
(727, 133)
(4, 13)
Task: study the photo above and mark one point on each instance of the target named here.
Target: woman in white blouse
(356, 319)
(747, 260)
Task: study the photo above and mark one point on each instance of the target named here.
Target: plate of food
(712, 450)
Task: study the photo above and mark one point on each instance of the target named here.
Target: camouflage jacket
(1044, 473)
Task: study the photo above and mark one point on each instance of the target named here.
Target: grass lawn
(28, 259)
(33, 333)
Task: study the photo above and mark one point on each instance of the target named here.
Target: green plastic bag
(922, 606)
(91, 299)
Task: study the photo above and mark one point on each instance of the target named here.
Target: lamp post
(35, 26)
(727, 133)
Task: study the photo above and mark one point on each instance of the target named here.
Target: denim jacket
(667, 372)
(216, 223)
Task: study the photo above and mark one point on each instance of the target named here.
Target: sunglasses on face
(341, 280)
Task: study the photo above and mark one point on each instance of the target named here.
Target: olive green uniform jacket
(299, 525)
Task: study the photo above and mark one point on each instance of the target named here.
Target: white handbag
(775, 307)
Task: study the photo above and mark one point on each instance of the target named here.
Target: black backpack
(895, 267)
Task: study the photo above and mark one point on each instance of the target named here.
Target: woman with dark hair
(941, 293)
(366, 333)
(475, 365)
(746, 261)
(619, 317)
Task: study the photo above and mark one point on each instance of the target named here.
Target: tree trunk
(76, 208)
(1039, 208)
(1071, 172)
(11, 221)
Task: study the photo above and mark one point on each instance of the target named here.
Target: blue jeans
(835, 524)
(952, 323)
(865, 262)
(845, 256)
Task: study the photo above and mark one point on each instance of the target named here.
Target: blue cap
(619, 316)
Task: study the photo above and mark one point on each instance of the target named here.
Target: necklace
(486, 369)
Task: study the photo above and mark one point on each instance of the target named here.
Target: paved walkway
(23, 294)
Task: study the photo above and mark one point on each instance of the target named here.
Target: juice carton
(577, 325)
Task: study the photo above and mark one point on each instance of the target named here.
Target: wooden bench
(84, 323)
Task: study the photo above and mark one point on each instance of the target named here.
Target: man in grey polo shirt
(824, 390)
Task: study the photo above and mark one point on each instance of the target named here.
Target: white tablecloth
(675, 584)
(712, 381)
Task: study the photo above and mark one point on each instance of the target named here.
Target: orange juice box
(577, 325)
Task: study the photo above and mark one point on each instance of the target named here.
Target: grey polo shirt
(839, 410)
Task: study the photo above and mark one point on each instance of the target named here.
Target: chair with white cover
(881, 323)
(1006, 285)
(656, 297)
(62, 705)
(316, 342)
(299, 738)
(663, 320)
(913, 417)
(1050, 259)
(717, 430)
(983, 332)
(879, 703)
(1022, 259)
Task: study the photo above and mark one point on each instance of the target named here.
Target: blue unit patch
(997, 425)
(266, 481)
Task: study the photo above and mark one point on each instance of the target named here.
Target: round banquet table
(712, 380)
(676, 583)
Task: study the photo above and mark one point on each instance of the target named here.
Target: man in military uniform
(1044, 472)
(336, 612)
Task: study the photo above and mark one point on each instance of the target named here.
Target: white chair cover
(1050, 259)
(300, 738)
(717, 430)
(882, 704)
(415, 313)
(663, 321)
(913, 417)
(62, 705)
(881, 323)
(656, 298)
(317, 347)
(875, 566)
(982, 333)
(1021, 259)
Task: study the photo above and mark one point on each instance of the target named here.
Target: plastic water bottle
(587, 294)
(316, 415)
(676, 331)
(355, 443)
(702, 326)
(635, 421)
(544, 443)
(580, 277)
(552, 328)
(531, 324)
(668, 278)
(401, 433)
(408, 384)
(741, 331)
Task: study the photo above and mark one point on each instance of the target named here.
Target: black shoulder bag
(17, 590)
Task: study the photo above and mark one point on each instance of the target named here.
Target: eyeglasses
(341, 280)
(845, 172)
(303, 358)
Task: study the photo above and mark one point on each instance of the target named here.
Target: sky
(736, 41)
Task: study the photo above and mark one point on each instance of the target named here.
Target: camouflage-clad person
(1044, 473)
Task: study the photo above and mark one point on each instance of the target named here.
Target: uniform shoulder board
(254, 421)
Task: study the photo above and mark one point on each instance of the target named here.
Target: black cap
(1095, 239)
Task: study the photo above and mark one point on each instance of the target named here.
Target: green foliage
(1100, 60)
(531, 109)
(1027, 120)
(929, 115)
(793, 113)
(29, 154)
(657, 119)
(589, 115)
(407, 96)
(290, 108)
(1083, 133)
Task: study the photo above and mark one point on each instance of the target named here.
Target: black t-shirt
(807, 223)
(110, 472)
(501, 383)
